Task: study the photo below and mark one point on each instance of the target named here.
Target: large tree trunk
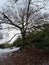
(23, 33)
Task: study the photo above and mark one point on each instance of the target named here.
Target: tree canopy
(24, 14)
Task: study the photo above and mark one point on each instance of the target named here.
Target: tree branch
(11, 22)
(28, 11)
(12, 37)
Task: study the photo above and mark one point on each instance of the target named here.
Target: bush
(18, 42)
(5, 45)
(2, 46)
(40, 39)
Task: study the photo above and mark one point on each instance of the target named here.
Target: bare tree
(24, 17)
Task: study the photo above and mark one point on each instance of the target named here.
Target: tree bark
(23, 33)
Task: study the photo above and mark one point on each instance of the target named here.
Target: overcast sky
(2, 3)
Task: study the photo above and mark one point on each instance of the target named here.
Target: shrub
(5, 45)
(40, 39)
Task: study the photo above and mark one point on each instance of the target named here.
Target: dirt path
(28, 57)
